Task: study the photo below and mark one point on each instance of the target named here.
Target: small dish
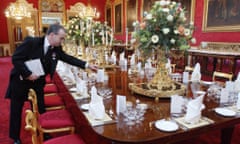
(166, 126)
(225, 112)
(73, 89)
(207, 83)
(85, 106)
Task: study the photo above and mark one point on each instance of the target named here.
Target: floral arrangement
(164, 28)
(88, 31)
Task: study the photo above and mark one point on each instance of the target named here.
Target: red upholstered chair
(50, 88)
(32, 126)
(53, 101)
(51, 121)
(48, 79)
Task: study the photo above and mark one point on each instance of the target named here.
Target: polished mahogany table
(144, 132)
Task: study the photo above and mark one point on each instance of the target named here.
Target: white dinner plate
(73, 89)
(225, 112)
(207, 83)
(85, 106)
(167, 126)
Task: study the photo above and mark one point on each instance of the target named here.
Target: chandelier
(18, 10)
(89, 12)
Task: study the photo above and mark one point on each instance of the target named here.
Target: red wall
(100, 5)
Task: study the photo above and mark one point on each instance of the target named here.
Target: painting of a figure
(222, 14)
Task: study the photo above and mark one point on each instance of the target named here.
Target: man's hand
(93, 67)
(32, 77)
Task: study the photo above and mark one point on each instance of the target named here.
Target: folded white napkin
(139, 66)
(81, 87)
(238, 77)
(185, 77)
(196, 74)
(132, 60)
(224, 97)
(148, 64)
(177, 103)
(238, 101)
(121, 56)
(96, 106)
(68, 73)
(194, 108)
(100, 75)
(113, 57)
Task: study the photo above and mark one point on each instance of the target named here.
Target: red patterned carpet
(5, 66)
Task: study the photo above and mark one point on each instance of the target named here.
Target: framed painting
(221, 15)
(118, 13)
(51, 11)
(108, 16)
(131, 9)
(189, 5)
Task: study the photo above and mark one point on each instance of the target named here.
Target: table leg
(226, 135)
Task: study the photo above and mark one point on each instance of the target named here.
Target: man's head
(56, 34)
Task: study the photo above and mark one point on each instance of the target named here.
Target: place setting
(95, 110)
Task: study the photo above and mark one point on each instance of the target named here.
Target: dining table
(117, 130)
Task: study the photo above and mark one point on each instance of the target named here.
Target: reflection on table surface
(145, 130)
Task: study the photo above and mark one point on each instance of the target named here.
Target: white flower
(193, 40)
(170, 18)
(162, 2)
(175, 31)
(172, 40)
(149, 16)
(166, 30)
(187, 32)
(135, 23)
(165, 10)
(155, 38)
(174, 3)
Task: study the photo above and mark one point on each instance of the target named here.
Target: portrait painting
(118, 18)
(221, 15)
(131, 14)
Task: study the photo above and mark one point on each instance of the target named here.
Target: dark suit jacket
(32, 48)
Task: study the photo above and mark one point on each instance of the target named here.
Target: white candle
(111, 37)
(102, 36)
(126, 36)
(106, 37)
(93, 42)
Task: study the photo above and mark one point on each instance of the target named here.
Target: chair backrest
(222, 75)
(173, 66)
(32, 126)
(32, 96)
(188, 69)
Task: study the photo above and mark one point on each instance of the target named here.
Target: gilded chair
(32, 126)
(51, 121)
(221, 75)
(50, 88)
(188, 69)
(53, 101)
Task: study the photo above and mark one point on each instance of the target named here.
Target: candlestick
(111, 36)
(93, 41)
(126, 36)
(106, 37)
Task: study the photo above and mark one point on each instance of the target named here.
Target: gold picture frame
(221, 16)
(51, 11)
(131, 13)
(118, 17)
(108, 14)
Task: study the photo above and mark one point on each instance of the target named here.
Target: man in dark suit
(48, 50)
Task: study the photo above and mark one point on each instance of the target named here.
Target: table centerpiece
(163, 29)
